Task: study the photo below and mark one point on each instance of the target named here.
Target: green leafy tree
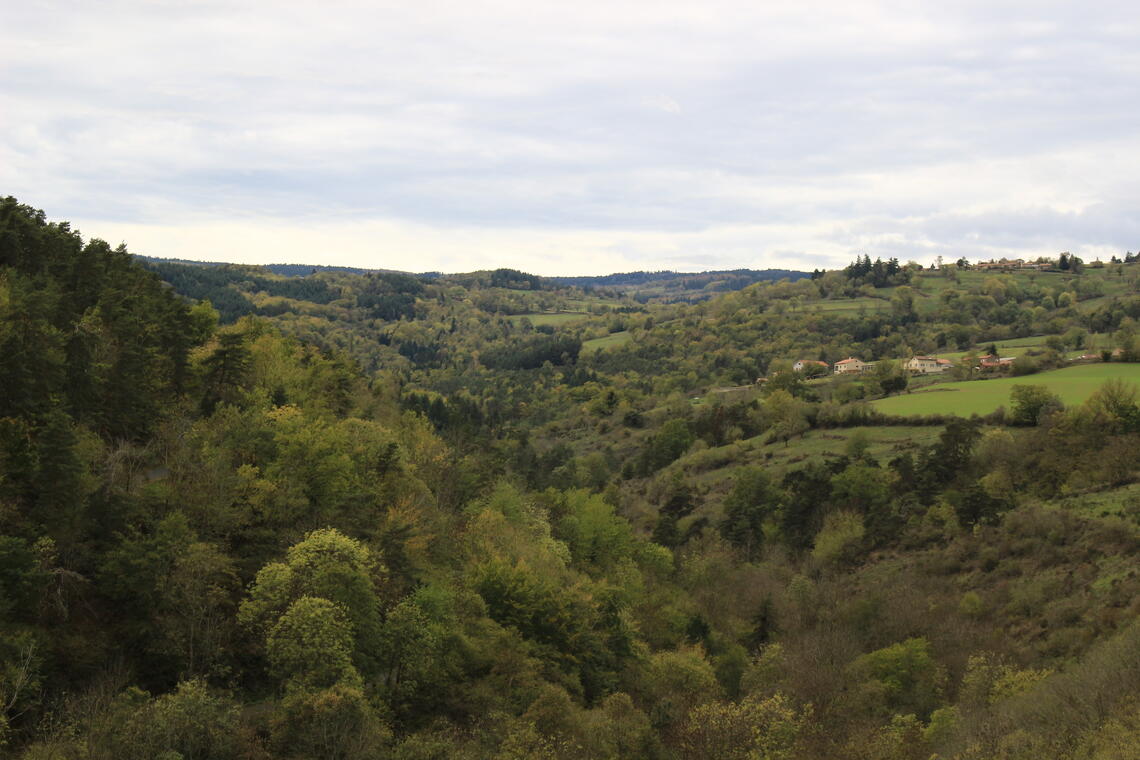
(1116, 401)
(60, 481)
(670, 442)
(757, 728)
(197, 601)
(328, 566)
(841, 540)
(1029, 404)
(336, 723)
(188, 723)
(786, 416)
(310, 647)
(226, 371)
(753, 501)
(598, 538)
(672, 684)
(902, 678)
(891, 377)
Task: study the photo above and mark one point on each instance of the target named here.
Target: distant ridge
(739, 277)
(633, 279)
(286, 270)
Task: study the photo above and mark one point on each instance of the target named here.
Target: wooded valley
(255, 514)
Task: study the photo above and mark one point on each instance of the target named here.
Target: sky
(579, 137)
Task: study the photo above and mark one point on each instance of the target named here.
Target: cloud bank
(577, 138)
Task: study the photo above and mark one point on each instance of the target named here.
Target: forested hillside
(342, 515)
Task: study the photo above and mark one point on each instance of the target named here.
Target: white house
(928, 365)
(803, 364)
(849, 366)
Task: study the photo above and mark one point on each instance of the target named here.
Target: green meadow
(554, 319)
(612, 340)
(1072, 384)
(1020, 346)
(850, 304)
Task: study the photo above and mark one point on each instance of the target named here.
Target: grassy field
(850, 304)
(884, 443)
(554, 319)
(612, 340)
(1117, 501)
(1019, 346)
(1072, 384)
(714, 468)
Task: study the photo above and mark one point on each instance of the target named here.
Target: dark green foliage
(974, 506)
(1029, 404)
(188, 723)
(225, 286)
(753, 501)
(671, 441)
(59, 481)
(515, 280)
(950, 457)
(390, 296)
(533, 352)
(225, 372)
(879, 274)
(20, 578)
(87, 327)
(808, 495)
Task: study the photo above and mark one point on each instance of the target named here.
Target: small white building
(803, 364)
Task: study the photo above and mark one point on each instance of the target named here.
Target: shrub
(840, 540)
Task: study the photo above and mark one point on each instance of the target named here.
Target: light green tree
(330, 566)
(311, 646)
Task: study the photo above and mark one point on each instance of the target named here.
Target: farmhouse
(991, 362)
(1012, 264)
(850, 366)
(923, 365)
(803, 364)
(928, 365)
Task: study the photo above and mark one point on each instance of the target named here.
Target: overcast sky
(577, 137)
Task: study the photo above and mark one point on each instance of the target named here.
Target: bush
(841, 539)
(1024, 365)
(904, 676)
(1029, 404)
(971, 605)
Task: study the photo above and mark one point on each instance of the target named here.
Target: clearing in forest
(1072, 384)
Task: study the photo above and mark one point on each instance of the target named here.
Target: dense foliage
(373, 515)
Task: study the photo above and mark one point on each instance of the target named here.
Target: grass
(1117, 502)
(715, 465)
(613, 340)
(1020, 346)
(1072, 384)
(554, 319)
(884, 443)
(850, 304)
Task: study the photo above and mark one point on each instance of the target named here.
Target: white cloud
(588, 136)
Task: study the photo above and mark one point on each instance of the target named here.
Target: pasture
(613, 340)
(553, 318)
(853, 305)
(1034, 343)
(1072, 384)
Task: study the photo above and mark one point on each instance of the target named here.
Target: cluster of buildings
(1009, 264)
(916, 365)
